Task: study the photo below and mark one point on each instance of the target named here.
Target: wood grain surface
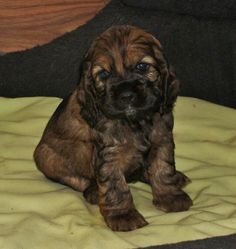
(27, 23)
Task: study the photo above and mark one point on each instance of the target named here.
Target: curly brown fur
(116, 127)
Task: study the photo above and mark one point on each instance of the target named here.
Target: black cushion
(221, 242)
(202, 8)
(202, 50)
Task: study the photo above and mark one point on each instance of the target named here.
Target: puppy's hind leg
(58, 168)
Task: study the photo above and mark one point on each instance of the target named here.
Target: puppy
(116, 128)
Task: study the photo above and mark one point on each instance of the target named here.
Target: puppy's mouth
(131, 112)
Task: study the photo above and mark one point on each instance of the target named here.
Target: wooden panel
(27, 23)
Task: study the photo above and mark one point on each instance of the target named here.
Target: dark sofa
(199, 39)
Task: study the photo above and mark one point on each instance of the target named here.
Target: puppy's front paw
(174, 202)
(126, 222)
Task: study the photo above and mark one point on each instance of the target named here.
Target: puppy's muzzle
(129, 93)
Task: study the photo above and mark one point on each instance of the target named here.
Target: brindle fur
(95, 147)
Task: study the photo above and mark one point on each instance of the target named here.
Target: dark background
(199, 40)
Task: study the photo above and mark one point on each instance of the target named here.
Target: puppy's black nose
(127, 97)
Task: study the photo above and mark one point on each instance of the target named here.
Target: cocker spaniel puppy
(116, 128)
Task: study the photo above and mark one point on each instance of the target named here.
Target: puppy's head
(127, 76)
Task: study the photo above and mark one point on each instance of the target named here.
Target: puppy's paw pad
(126, 222)
(175, 202)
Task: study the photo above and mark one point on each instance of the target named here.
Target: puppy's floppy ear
(86, 94)
(170, 85)
(171, 90)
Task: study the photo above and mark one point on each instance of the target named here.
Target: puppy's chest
(127, 145)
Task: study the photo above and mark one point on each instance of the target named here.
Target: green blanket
(36, 213)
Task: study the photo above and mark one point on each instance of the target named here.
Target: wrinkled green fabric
(36, 213)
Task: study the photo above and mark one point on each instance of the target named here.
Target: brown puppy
(116, 127)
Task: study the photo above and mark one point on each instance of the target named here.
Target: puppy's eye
(103, 74)
(142, 67)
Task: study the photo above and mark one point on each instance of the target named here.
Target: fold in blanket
(37, 213)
